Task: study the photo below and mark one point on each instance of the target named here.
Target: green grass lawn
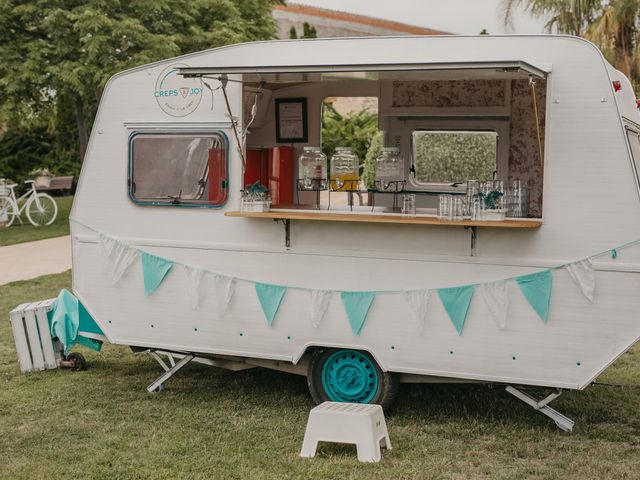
(18, 233)
(214, 424)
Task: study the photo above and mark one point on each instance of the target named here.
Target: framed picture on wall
(291, 120)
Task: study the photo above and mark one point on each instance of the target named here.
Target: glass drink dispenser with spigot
(344, 170)
(312, 169)
(389, 170)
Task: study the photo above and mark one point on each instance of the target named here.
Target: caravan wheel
(340, 375)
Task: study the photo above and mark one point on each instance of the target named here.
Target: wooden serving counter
(397, 218)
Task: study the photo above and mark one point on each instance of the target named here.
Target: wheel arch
(310, 347)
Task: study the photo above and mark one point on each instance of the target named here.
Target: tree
(573, 17)
(353, 129)
(616, 32)
(57, 55)
(309, 31)
(369, 171)
(611, 24)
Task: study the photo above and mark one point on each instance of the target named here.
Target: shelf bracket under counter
(286, 215)
(287, 230)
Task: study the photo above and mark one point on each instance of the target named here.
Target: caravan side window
(633, 137)
(181, 169)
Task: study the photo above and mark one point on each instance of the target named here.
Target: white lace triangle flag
(584, 276)
(418, 300)
(224, 288)
(195, 276)
(320, 300)
(495, 296)
(119, 256)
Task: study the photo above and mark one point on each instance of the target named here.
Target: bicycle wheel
(8, 208)
(42, 210)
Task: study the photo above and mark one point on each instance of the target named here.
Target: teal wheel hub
(350, 376)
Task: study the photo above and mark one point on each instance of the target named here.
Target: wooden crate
(36, 350)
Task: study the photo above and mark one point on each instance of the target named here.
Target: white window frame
(401, 134)
(631, 129)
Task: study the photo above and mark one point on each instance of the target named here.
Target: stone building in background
(333, 23)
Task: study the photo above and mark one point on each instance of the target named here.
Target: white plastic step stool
(356, 423)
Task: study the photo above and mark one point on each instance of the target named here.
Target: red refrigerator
(272, 167)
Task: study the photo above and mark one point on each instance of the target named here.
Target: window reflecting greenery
(454, 156)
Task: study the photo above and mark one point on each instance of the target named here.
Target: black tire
(79, 363)
(385, 393)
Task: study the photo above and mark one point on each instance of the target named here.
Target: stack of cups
(474, 199)
(517, 200)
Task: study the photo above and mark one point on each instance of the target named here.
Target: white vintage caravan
(360, 297)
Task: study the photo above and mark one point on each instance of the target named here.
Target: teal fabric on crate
(270, 297)
(154, 270)
(67, 318)
(537, 290)
(357, 305)
(456, 302)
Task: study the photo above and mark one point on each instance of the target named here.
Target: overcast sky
(455, 16)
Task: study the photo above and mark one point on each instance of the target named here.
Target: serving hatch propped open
(413, 98)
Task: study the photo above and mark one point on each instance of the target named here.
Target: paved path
(33, 259)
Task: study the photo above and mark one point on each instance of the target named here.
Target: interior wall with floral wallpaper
(524, 161)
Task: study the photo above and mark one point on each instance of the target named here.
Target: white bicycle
(41, 209)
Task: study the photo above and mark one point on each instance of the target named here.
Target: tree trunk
(81, 125)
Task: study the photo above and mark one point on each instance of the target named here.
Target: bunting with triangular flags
(195, 276)
(357, 305)
(495, 296)
(270, 297)
(154, 271)
(224, 288)
(584, 276)
(536, 288)
(319, 305)
(456, 302)
(119, 256)
(418, 300)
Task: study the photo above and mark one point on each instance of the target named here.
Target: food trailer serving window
(181, 169)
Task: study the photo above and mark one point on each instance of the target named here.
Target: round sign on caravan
(176, 95)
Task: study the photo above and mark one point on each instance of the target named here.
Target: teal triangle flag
(154, 269)
(270, 297)
(456, 302)
(357, 305)
(537, 290)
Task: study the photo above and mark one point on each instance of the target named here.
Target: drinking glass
(445, 207)
(475, 207)
(457, 208)
(409, 205)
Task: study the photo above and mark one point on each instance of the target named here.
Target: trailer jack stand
(564, 423)
(158, 384)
